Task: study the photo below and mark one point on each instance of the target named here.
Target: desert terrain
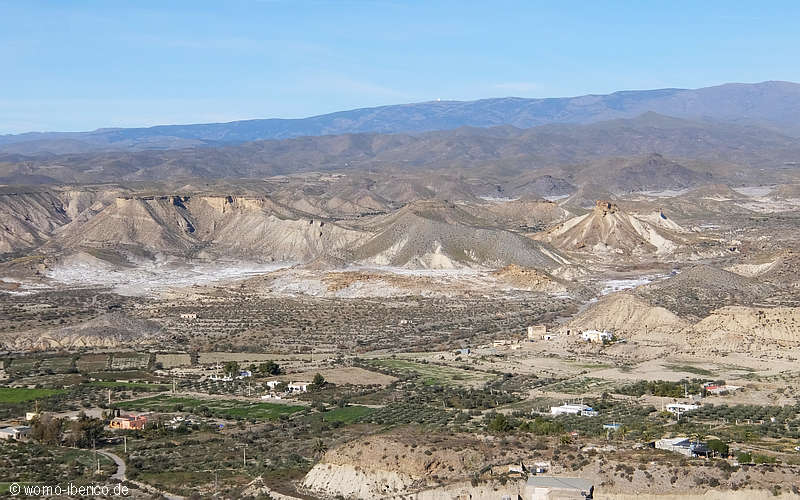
(413, 305)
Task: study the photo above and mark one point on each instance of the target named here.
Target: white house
(597, 336)
(15, 433)
(574, 409)
(682, 445)
(188, 316)
(541, 467)
(299, 386)
(272, 384)
(681, 408)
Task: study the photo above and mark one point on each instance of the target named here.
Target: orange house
(129, 422)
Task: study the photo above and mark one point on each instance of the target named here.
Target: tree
(46, 430)
(231, 368)
(84, 431)
(269, 368)
(500, 423)
(718, 447)
(319, 381)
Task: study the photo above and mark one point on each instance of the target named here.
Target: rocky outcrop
(630, 317)
(398, 466)
(609, 233)
(747, 329)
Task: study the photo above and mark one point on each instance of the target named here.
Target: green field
(689, 369)
(347, 415)
(581, 385)
(230, 408)
(20, 395)
(436, 374)
(130, 385)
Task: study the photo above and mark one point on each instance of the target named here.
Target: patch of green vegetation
(590, 366)
(661, 388)
(20, 394)
(230, 408)
(581, 385)
(689, 369)
(267, 411)
(432, 374)
(404, 413)
(130, 385)
(348, 414)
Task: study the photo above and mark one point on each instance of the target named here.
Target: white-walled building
(299, 386)
(681, 408)
(574, 409)
(17, 433)
(596, 336)
(682, 445)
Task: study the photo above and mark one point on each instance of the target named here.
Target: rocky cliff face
(609, 233)
(397, 467)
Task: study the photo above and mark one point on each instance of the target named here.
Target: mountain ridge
(771, 104)
(503, 149)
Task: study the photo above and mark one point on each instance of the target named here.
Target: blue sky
(70, 65)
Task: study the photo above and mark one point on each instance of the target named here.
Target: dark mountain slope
(771, 104)
(506, 151)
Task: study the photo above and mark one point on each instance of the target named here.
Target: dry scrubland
(380, 290)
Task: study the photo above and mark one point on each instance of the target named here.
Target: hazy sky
(82, 65)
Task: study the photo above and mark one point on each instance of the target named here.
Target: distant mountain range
(774, 105)
(574, 154)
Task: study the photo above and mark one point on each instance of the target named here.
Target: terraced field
(20, 394)
(224, 408)
(432, 374)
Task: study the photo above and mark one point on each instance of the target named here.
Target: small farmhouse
(597, 337)
(18, 433)
(682, 445)
(536, 332)
(128, 422)
(298, 386)
(681, 408)
(574, 409)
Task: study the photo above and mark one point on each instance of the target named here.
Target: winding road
(120, 476)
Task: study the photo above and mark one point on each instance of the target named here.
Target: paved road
(120, 476)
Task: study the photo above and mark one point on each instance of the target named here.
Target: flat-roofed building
(574, 409)
(17, 433)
